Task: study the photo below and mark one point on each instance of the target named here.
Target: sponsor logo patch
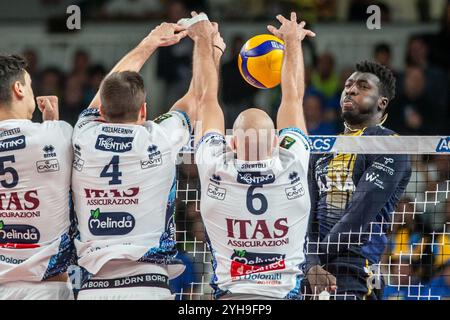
(15, 143)
(110, 223)
(44, 166)
(216, 192)
(114, 144)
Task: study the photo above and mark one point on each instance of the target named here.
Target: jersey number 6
(251, 196)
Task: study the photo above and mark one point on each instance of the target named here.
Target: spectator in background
(441, 45)
(72, 100)
(80, 65)
(32, 60)
(417, 55)
(50, 82)
(96, 74)
(136, 9)
(407, 256)
(413, 112)
(383, 54)
(237, 94)
(324, 77)
(314, 116)
(440, 284)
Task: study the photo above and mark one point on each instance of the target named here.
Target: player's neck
(9, 113)
(350, 128)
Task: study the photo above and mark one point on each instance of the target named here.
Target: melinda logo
(18, 233)
(15, 143)
(114, 144)
(244, 263)
(110, 223)
(444, 145)
(322, 144)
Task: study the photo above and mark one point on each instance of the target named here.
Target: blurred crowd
(421, 107)
(261, 10)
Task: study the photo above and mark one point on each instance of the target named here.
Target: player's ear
(143, 113)
(382, 104)
(18, 90)
(233, 143)
(102, 113)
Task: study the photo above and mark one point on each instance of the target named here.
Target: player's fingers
(309, 33)
(281, 19)
(181, 35)
(215, 26)
(272, 29)
(194, 13)
(178, 27)
(293, 16)
(302, 24)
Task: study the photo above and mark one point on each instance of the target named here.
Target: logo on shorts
(15, 143)
(114, 144)
(110, 223)
(18, 233)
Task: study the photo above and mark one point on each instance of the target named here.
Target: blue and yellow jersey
(352, 197)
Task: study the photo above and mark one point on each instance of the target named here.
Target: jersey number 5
(4, 170)
(111, 170)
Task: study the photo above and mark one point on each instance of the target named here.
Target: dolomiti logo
(18, 233)
(114, 144)
(110, 223)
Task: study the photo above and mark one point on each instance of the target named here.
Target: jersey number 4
(111, 170)
(12, 172)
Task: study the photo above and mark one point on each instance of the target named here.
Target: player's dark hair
(122, 95)
(12, 69)
(386, 76)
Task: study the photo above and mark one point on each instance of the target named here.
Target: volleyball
(260, 61)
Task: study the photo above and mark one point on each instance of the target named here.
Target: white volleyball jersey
(256, 216)
(35, 171)
(123, 186)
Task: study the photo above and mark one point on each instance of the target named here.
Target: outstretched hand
(167, 34)
(290, 29)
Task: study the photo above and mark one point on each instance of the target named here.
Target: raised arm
(290, 113)
(206, 77)
(166, 34)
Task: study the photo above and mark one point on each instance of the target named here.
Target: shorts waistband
(141, 280)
